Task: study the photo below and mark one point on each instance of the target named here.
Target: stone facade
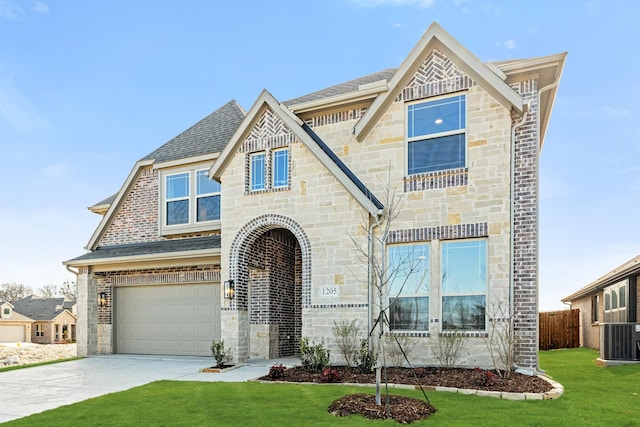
(291, 250)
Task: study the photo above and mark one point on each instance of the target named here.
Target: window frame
(192, 224)
(595, 307)
(616, 302)
(39, 330)
(464, 294)
(268, 162)
(392, 297)
(274, 168)
(411, 139)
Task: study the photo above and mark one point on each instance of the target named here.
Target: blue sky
(88, 88)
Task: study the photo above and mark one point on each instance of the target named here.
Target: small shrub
(277, 371)
(396, 345)
(314, 357)
(484, 378)
(449, 348)
(221, 355)
(345, 333)
(366, 358)
(330, 375)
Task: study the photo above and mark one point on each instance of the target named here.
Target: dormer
(6, 310)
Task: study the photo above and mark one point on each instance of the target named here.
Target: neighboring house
(295, 182)
(53, 319)
(609, 310)
(14, 327)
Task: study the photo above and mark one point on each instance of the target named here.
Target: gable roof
(209, 135)
(436, 37)
(619, 273)
(312, 141)
(37, 308)
(204, 139)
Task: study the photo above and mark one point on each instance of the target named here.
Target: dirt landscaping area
(28, 353)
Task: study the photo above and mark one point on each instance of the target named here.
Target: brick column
(525, 230)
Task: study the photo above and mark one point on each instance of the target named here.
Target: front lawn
(593, 397)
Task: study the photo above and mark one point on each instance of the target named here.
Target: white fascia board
(106, 219)
(186, 161)
(166, 256)
(216, 170)
(436, 37)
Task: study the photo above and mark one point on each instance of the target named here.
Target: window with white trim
(464, 284)
(268, 170)
(190, 201)
(595, 307)
(436, 135)
(408, 276)
(280, 166)
(39, 331)
(615, 302)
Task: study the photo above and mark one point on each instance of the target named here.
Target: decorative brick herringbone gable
(268, 132)
(436, 76)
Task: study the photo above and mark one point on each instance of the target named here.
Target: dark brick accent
(444, 232)
(525, 228)
(440, 179)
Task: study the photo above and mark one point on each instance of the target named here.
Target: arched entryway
(270, 263)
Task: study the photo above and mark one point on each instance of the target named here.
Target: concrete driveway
(31, 390)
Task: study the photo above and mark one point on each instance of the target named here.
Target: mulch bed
(400, 408)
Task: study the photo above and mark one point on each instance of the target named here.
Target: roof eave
(364, 93)
(164, 256)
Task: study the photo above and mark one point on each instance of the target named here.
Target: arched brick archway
(270, 263)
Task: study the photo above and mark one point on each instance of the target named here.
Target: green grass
(48, 362)
(593, 397)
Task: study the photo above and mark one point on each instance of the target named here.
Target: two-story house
(244, 226)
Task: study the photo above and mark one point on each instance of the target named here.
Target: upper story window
(6, 312)
(280, 168)
(268, 170)
(464, 285)
(191, 201)
(436, 135)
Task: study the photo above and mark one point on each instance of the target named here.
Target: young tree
(69, 290)
(382, 274)
(13, 291)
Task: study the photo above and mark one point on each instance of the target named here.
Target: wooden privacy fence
(559, 329)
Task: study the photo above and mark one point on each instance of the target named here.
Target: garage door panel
(170, 319)
(12, 333)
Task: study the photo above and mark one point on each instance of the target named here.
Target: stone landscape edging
(554, 393)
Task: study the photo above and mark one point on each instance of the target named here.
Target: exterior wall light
(102, 299)
(229, 289)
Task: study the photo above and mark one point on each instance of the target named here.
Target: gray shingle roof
(39, 308)
(209, 135)
(342, 88)
(106, 201)
(149, 248)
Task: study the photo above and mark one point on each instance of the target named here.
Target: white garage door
(169, 319)
(12, 334)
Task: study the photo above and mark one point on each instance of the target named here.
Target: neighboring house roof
(163, 249)
(37, 308)
(312, 141)
(209, 135)
(200, 142)
(630, 267)
(103, 205)
(436, 37)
